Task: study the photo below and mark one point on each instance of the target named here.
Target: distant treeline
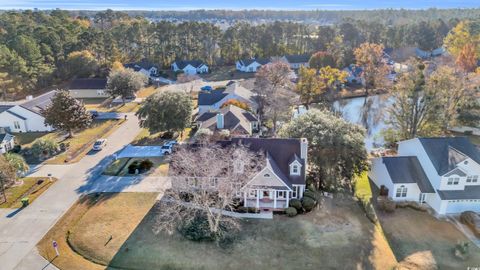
(385, 16)
(35, 45)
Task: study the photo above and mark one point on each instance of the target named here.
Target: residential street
(20, 232)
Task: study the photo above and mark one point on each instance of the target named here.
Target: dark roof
(280, 151)
(407, 170)
(5, 135)
(469, 193)
(211, 97)
(88, 83)
(261, 61)
(136, 66)
(298, 58)
(194, 63)
(250, 117)
(206, 116)
(234, 118)
(39, 103)
(456, 171)
(446, 152)
(5, 107)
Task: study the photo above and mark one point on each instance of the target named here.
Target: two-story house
(441, 172)
(190, 67)
(232, 118)
(213, 100)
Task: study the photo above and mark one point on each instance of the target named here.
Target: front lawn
(32, 187)
(413, 232)
(96, 227)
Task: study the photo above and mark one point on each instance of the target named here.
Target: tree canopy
(125, 82)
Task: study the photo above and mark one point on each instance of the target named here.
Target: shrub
(308, 203)
(242, 209)
(291, 211)
(44, 148)
(145, 165)
(386, 204)
(462, 250)
(204, 134)
(198, 230)
(224, 134)
(297, 204)
(310, 194)
(17, 148)
(133, 167)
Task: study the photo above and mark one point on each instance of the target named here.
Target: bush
(310, 194)
(387, 205)
(44, 148)
(17, 148)
(291, 211)
(145, 165)
(198, 230)
(242, 209)
(297, 204)
(308, 203)
(462, 250)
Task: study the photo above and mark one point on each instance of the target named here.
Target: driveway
(110, 116)
(23, 230)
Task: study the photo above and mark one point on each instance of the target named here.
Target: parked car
(93, 113)
(171, 143)
(167, 149)
(99, 144)
(206, 88)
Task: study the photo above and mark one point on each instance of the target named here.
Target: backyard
(413, 232)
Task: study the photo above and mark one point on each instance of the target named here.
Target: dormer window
(295, 168)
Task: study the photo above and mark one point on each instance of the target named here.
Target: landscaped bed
(96, 226)
(31, 187)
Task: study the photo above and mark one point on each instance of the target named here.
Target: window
(294, 168)
(100, 92)
(16, 124)
(281, 194)
(295, 191)
(252, 193)
(266, 194)
(453, 181)
(401, 192)
(472, 179)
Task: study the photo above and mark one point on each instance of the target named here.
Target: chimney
(220, 120)
(304, 149)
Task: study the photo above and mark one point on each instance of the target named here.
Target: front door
(422, 198)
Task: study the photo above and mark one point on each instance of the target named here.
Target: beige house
(88, 88)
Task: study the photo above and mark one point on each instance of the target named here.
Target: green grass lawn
(224, 73)
(30, 188)
(26, 139)
(362, 187)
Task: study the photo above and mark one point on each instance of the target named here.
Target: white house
(213, 100)
(236, 120)
(299, 111)
(190, 67)
(441, 172)
(88, 88)
(144, 67)
(27, 116)
(296, 60)
(251, 65)
(7, 142)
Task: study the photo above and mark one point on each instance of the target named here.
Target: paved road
(20, 232)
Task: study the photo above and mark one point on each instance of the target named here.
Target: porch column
(245, 198)
(275, 199)
(288, 198)
(258, 198)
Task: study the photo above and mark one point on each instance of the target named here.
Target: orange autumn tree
(467, 58)
(234, 102)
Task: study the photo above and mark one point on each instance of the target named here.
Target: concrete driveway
(110, 116)
(21, 231)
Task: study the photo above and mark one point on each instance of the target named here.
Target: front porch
(267, 199)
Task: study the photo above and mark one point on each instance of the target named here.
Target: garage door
(460, 206)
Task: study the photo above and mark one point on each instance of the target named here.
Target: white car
(99, 144)
(171, 143)
(167, 149)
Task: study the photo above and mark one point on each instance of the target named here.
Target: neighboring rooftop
(469, 193)
(407, 170)
(194, 63)
(211, 97)
(5, 107)
(261, 61)
(297, 58)
(234, 118)
(5, 136)
(137, 66)
(39, 103)
(88, 84)
(446, 152)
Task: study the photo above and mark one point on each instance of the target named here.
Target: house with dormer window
(440, 172)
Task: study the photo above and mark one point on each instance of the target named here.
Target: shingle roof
(446, 152)
(194, 63)
(469, 193)
(6, 137)
(211, 97)
(233, 119)
(297, 58)
(456, 171)
(261, 61)
(5, 107)
(406, 170)
(39, 103)
(88, 83)
(280, 152)
(136, 66)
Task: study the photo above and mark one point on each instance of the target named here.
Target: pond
(369, 112)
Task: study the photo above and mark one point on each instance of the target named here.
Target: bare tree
(206, 179)
(272, 84)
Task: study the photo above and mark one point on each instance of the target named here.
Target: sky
(235, 4)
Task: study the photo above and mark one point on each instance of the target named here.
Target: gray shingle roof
(6, 137)
(469, 193)
(211, 97)
(261, 61)
(298, 58)
(39, 103)
(280, 151)
(5, 107)
(456, 171)
(407, 170)
(446, 152)
(88, 83)
(234, 119)
(193, 63)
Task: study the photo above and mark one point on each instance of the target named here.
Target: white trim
(247, 184)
